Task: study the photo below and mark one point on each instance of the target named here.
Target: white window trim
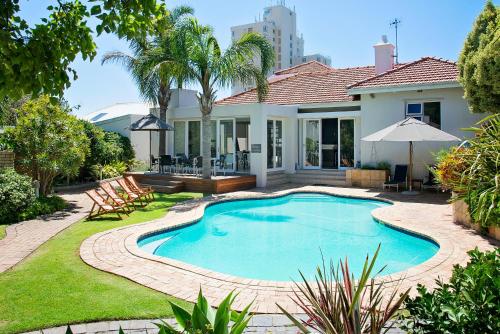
(421, 102)
(274, 168)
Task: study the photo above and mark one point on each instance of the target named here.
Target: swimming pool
(272, 238)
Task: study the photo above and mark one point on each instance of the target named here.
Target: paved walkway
(23, 238)
(116, 251)
(259, 324)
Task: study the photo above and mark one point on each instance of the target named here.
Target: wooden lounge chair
(131, 194)
(400, 177)
(103, 206)
(114, 196)
(147, 191)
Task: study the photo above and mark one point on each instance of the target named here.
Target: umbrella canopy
(410, 130)
(150, 123)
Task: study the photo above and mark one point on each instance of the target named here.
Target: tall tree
(48, 141)
(479, 62)
(36, 59)
(152, 64)
(205, 64)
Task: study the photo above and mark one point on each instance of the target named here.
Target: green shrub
(382, 165)
(43, 206)
(16, 194)
(336, 302)
(468, 304)
(138, 166)
(206, 320)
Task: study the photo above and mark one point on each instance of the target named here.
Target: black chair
(431, 182)
(182, 162)
(221, 163)
(154, 161)
(198, 166)
(400, 177)
(166, 161)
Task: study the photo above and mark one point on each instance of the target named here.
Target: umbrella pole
(150, 160)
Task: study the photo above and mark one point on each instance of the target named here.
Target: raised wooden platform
(170, 183)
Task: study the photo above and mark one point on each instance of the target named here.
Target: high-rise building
(279, 26)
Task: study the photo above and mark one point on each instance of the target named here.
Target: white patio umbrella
(150, 123)
(410, 130)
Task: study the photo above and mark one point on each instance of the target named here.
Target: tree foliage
(154, 71)
(199, 59)
(479, 62)
(36, 59)
(48, 141)
(473, 172)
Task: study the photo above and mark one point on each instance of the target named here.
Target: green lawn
(2, 231)
(55, 287)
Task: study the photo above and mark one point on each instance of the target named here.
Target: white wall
(384, 109)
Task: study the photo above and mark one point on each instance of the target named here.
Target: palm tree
(203, 63)
(151, 65)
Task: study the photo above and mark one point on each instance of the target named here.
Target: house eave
(403, 88)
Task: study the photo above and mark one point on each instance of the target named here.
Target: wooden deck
(170, 183)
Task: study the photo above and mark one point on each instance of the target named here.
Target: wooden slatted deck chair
(147, 191)
(103, 206)
(131, 194)
(116, 197)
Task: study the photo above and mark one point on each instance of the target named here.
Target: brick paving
(428, 214)
(25, 237)
(259, 324)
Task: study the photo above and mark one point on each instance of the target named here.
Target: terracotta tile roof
(422, 71)
(297, 86)
(310, 66)
(307, 87)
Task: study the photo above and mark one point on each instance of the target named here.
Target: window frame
(421, 114)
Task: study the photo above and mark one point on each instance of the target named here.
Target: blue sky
(344, 30)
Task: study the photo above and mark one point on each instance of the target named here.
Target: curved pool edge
(128, 260)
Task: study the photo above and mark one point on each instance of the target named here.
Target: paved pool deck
(428, 214)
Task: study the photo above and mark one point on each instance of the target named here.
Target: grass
(55, 287)
(2, 231)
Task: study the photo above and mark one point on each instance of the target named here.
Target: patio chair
(219, 163)
(400, 177)
(154, 161)
(166, 161)
(118, 199)
(182, 162)
(431, 182)
(146, 191)
(198, 166)
(131, 195)
(103, 206)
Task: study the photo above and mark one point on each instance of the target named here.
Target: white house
(312, 121)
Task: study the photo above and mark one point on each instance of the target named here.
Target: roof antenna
(395, 23)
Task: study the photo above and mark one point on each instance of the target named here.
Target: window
(265, 28)
(179, 137)
(274, 144)
(194, 141)
(290, 36)
(250, 29)
(429, 112)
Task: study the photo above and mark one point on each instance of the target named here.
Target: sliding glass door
(346, 143)
(312, 143)
(274, 144)
(328, 143)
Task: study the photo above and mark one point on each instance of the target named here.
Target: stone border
(116, 250)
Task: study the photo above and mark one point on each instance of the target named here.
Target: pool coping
(117, 251)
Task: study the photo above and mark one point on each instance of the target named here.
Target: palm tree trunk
(163, 100)
(206, 141)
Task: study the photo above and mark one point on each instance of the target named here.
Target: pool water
(271, 239)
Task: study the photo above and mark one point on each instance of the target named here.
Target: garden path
(23, 238)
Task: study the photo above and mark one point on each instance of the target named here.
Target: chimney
(384, 56)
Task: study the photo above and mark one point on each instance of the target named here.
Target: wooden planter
(461, 215)
(366, 178)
